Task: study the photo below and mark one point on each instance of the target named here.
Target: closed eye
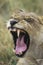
(29, 20)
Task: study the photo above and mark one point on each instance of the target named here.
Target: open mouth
(21, 41)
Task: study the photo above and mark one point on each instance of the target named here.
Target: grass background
(7, 56)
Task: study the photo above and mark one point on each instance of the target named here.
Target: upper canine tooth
(14, 30)
(18, 32)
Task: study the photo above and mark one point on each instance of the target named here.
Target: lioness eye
(29, 19)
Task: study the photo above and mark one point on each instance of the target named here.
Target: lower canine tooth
(13, 50)
(20, 53)
(18, 32)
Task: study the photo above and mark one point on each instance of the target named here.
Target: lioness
(27, 32)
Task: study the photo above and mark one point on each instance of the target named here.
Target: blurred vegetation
(7, 56)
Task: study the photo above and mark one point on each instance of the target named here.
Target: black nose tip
(12, 22)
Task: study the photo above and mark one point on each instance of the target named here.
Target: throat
(20, 45)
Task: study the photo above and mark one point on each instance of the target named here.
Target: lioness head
(23, 30)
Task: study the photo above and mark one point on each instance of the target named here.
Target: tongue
(20, 45)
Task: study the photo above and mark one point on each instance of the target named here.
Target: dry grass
(7, 57)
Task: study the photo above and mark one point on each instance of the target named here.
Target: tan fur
(35, 29)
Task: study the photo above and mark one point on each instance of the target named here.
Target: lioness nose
(11, 23)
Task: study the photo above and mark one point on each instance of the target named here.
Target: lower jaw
(21, 54)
